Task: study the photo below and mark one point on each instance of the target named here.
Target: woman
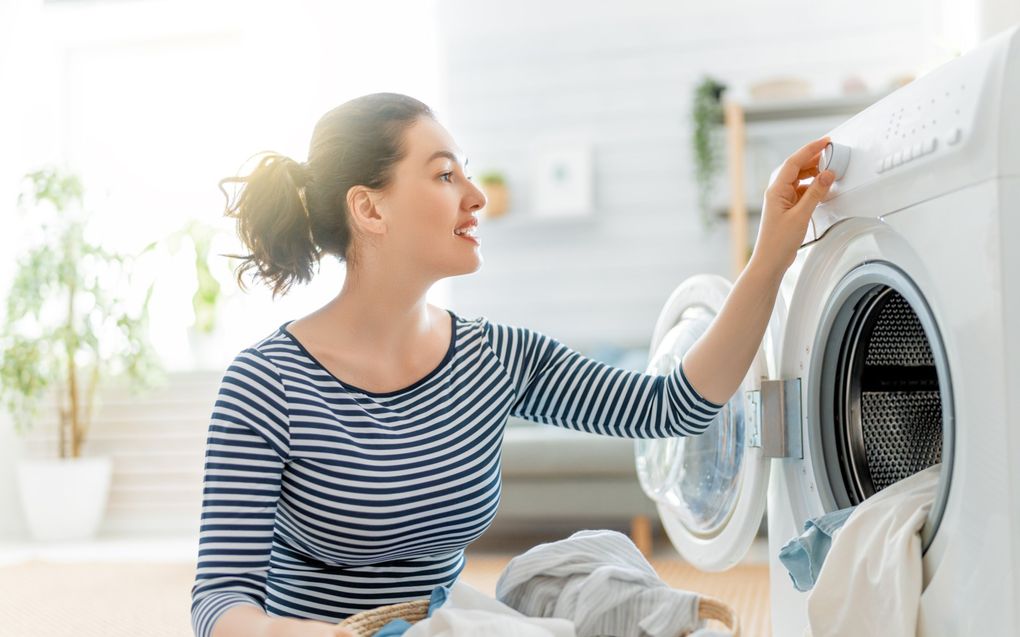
(353, 453)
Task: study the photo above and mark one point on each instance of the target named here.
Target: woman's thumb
(819, 188)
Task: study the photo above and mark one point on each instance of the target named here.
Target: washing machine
(894, 345)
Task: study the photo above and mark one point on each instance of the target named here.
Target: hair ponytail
(290, 214)
(273, 222)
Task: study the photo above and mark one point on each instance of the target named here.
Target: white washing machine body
(894, 344)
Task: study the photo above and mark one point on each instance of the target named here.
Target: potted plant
(494, 185)
(706, 120)
(208, 292)
(68, 329)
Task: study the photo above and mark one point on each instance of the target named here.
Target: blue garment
(397, 627)
(803, 555)
(322, 500)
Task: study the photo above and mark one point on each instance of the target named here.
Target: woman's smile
(468, 231)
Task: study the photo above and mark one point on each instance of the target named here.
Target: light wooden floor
(130, 599)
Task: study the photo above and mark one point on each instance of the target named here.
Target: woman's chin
(478, 261)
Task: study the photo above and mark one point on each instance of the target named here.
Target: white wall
(620, 77)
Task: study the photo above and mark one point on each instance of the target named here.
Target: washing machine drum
(884, 392)
(887, 405)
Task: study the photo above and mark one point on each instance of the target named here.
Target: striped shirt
(321, 499)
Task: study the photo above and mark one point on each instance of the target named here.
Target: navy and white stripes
(322, 500)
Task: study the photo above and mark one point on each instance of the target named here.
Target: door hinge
(772, 418)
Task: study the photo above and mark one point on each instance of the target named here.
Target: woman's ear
(363, 205)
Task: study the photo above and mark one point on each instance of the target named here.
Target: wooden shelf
(767, 110)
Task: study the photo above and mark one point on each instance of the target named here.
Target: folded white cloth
(870, 583)
(599, 580)
(468, 612)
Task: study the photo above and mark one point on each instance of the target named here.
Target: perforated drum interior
(883, 391)
(892, 408)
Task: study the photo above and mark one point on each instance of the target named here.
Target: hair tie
(299, 173)
(304, 204)
(303, 177)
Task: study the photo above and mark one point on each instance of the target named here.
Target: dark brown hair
(289, 214)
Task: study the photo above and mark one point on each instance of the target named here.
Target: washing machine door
(710, 489)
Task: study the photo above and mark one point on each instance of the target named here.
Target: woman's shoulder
(267, 349)
(504, 333)
(468, 321)
(479, 324)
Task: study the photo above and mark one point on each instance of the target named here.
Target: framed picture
(563, 181)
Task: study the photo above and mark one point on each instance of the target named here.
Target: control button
(930, 145)
(880, 167)
(835, 157)
(953, 136)
(918, 149)
(897, 158)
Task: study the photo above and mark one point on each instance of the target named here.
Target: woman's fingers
(812, 194)
(801, 160)
(811, 170)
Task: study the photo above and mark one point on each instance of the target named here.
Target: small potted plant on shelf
(494, 185)
(69, 329)
(706, 122)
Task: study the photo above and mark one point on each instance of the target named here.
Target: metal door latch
(772, 418)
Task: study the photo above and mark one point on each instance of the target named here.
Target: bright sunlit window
(152, 103)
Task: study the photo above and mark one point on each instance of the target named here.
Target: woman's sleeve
(247, 446)
(557, 385)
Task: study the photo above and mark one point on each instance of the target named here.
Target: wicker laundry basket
(367, 623)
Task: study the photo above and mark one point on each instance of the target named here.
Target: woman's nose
(476, 198)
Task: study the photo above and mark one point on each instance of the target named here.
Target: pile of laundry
(594, 583)
(862, 565)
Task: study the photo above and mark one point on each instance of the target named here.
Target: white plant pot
(64, 499)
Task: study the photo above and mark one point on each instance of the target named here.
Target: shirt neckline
(446, 358)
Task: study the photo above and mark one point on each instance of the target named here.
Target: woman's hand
(294, 627)
(788, 208)
(717, 363)
(321, 629)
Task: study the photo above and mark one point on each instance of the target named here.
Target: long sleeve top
(321, 499)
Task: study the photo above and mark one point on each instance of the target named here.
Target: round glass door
(698, 476)
(709, 488)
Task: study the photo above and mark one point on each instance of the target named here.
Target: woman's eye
(447, 177)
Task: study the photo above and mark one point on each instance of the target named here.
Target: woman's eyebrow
(447, 154)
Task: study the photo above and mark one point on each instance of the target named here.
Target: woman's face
(429, 197)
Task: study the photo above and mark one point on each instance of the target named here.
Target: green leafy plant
(69, 324)
(205, 300)
(706, 120)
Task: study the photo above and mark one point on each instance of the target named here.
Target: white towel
(870, 583)
(468, 612)
(599, 580)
